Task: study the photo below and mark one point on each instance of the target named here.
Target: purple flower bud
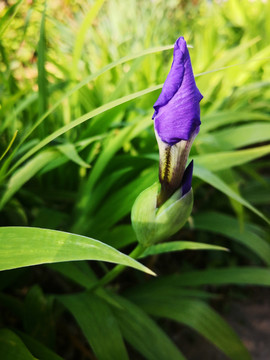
(177, 122)
(177, 110)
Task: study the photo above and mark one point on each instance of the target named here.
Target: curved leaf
(224, 276)
(98, 324)
(12, 347)
(143, 333)
(25, 246)
(228, 226)
(199, 316)
(178, 246)
(83, 118)
(26, 172)
(224, 160)
(219, 184)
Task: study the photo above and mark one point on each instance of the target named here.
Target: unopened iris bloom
(161, 210)
(177, 121)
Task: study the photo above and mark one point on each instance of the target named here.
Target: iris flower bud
(177, 120)
(156, 215)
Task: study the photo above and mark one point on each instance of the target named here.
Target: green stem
(118, 269)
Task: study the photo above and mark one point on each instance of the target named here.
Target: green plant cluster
(78, 80)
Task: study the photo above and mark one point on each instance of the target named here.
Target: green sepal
(143, 215)
(152, 224)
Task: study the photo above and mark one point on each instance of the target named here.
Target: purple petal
(177, 110)
(187, 178)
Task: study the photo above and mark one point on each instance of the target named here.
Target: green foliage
(98, 324)
(12, 347)
(24, 246)
(142, 332)
(197, 315)
(178, 246)
(78, 80)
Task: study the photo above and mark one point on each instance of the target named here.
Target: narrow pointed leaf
(69, 150)
(98, 324)
(254, 276)
(219, 184)
(12, 347)
(26, 172)
(178, 246)
(143, 333)
(225, 160)
(25, 246)
(229, 227)
(199, 316)
(39, 350)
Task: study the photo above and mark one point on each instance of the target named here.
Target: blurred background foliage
(78, 80)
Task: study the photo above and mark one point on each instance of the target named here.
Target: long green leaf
(9, 145)
(8, 17)
(228, 226)
(114, 209)
(217, 119)
(224, 160)
(244, 275)
(77, 271)
(42, 80)
(219, 184)
(242, 135)
(178, 246)
(12, 347)
(25, 246)
(164, 289)
(113, 144)
(98, 324)
(38, 316)
(143, 333)
(201, 318)
(69, 150)
(89, 79)
(83, 119)
(37, 348)
(87, 22)
(26, 172)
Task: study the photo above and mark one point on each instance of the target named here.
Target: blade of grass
(26, 172)
(42, 80)
(87, 22)
(9, 145)
(8, 17)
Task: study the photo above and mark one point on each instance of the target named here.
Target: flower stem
(118, 269)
